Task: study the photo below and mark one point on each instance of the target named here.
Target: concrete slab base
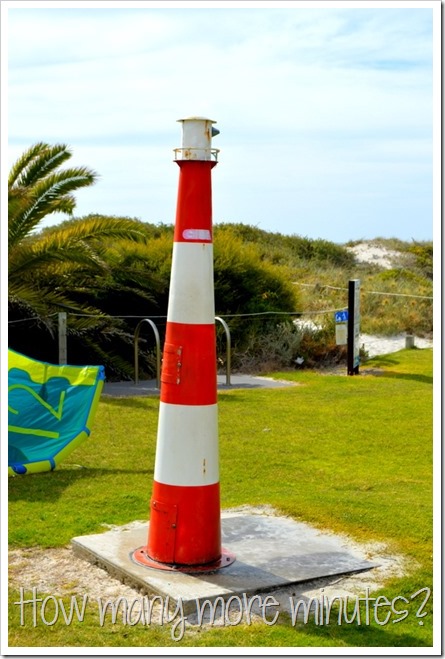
(271, 552)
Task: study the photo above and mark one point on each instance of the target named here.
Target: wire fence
(230, 315)
(363, 290)
(314, 312)
(59, 319)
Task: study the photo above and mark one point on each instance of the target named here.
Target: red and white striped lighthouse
(185, 520)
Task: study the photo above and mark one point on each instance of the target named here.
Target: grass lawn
(348, 454)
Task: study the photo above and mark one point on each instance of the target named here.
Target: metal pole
(136, 351)
(228, 348)
(353, 326)
(62, 338)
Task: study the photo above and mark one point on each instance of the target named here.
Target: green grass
(348, 454)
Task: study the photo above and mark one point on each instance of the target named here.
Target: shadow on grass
(386, 361)
(239, 395)
(49, 486)
(426, 379)
(381, 362)
(229, 398)
(136, 403)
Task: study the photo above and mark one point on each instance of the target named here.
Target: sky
(325, 110)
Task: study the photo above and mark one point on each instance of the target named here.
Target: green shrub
(278, 248)
(276, 346)
(318, 346)
(263, 281)
(250, 293)
(424, 257)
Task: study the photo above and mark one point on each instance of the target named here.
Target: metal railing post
(136, 351)
(63, 355)
(228, 348)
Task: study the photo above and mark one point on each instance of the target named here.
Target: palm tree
(37, 187)
(44, 266)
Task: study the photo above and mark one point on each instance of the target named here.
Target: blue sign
(341, 316)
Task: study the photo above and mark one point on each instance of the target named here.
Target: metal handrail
(228, 348)
(187, 151)
(136, 351)
(158, 350)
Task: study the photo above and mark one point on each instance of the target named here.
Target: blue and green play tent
(50, 411)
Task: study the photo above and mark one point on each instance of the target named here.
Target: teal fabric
(49, 407)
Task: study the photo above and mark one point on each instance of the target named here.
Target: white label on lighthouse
(196, 234)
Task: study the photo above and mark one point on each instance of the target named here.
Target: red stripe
(185, 524)
(188, 375)
(194, 204)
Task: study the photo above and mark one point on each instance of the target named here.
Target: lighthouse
(184, 531)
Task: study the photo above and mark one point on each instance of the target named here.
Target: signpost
(341, 316)
(341, 327)
(353, 326)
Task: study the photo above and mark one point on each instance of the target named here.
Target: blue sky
(325, 112)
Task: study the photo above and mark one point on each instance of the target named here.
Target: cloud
(46, 37)
(325, 102)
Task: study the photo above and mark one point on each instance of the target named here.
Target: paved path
(148, 387)
(373, 344)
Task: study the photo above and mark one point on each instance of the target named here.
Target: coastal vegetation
(277, 293)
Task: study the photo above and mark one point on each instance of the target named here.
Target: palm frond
(23, 162)
(33, 257)
(45, 303)
(19, 200)
(46, 161)
(51, 195)
(96, 228)
(111, 360)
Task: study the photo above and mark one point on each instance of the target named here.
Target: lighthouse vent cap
(212, 121)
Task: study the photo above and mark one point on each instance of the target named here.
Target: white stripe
(187, 445)
(191, 298)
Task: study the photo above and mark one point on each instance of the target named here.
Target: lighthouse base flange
(141, 557)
